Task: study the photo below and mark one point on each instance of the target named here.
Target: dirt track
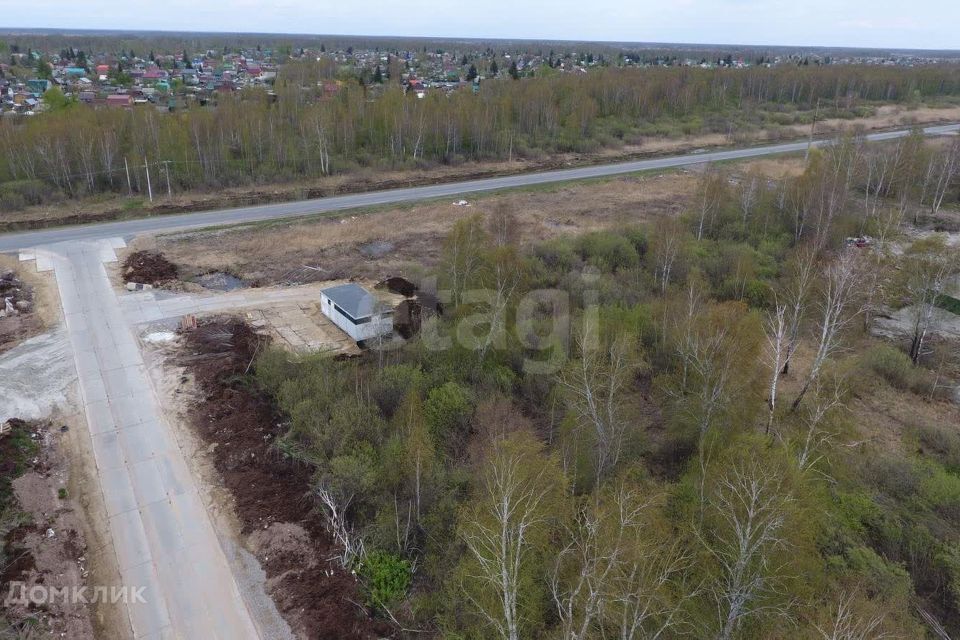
(279, 522)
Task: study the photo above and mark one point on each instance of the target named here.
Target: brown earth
(40, 289)
(148, 267)
(279, 521)
(405, 240)
(18, 322)
(48, 547)
(104, 208)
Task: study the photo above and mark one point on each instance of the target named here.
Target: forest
(657, 431)
(254, 137)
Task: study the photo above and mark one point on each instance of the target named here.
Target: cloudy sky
(930, 24)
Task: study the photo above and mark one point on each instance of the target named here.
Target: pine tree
(514, 72)
(472, 73)
(378, 75)
(494, 69)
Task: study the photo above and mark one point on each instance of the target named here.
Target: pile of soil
(271, 492)
(148, 267)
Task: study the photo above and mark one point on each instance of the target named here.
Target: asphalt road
(126, 228)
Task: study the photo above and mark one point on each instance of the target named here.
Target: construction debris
(148, 268)
(15, 296)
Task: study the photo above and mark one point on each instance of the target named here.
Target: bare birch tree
(845, 624)
(596, 386)
(837, 310)
(928, 267)
(335, 506)
(667, 242)
(796, 295)
(946, 166)
(775, 329)
(504, 526)
(617, 575)
(744, 534)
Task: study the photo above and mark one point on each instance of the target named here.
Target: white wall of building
(376, 326)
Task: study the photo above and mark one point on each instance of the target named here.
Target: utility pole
(149, 188)
(813, 124)
(166, 170)
(129, 185)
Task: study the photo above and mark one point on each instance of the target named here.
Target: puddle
(376, 249)
(219, 281)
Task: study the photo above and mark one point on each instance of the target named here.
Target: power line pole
(166, 170)
(129, 185)
(813, 124)
(149, 188)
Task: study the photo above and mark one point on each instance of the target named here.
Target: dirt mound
(148, 267)
(398, 285)
(270, 491)
(17, 317)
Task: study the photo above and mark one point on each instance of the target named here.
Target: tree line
(305, 132)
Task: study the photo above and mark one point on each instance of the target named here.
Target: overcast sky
(930, 24)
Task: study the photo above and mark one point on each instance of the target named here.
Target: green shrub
(393, 383)
(447, 409)
(638, 238)
(879, 575)
(949, 303)
(607, 250)
(895, 367)
(557, 255)
(386, 578)
(17, 194)
(942, 443)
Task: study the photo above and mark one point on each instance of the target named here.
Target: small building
(356, 311)
(121, 100)
(39, 86)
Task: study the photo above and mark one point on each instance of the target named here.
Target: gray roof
(353, 299)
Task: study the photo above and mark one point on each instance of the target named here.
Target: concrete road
(15, 241)
(162, 534)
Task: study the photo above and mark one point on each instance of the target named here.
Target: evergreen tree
(514, 72)
(494, 69)
(378, 75)
(472, 73)
(44, 72)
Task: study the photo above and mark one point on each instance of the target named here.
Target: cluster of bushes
(17, 194)
(894, 366)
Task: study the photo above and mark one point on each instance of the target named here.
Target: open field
(407, 239)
